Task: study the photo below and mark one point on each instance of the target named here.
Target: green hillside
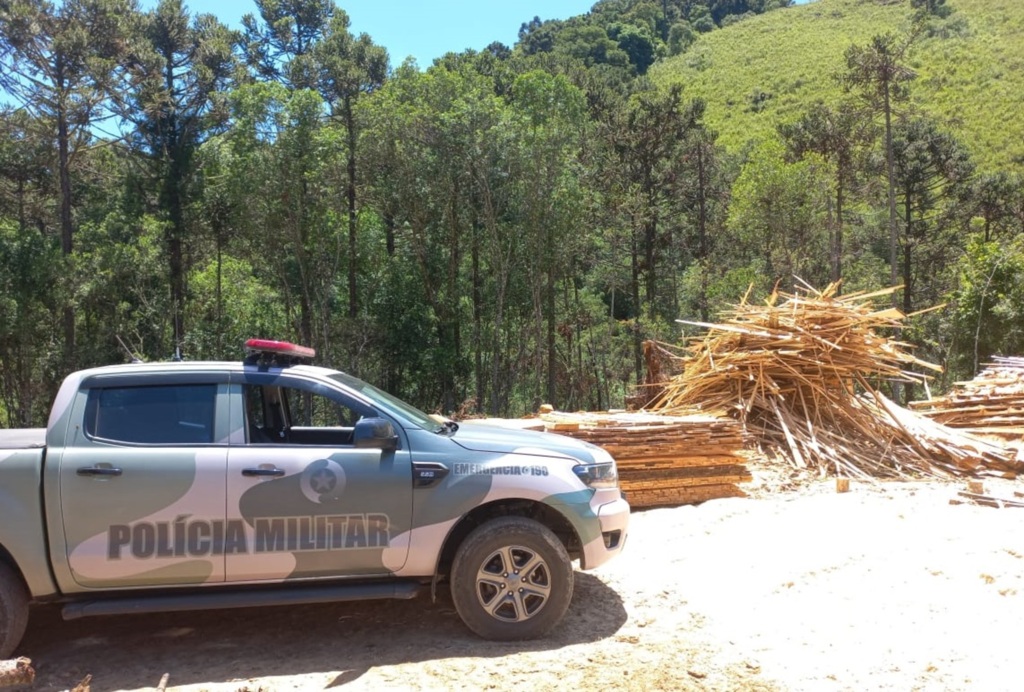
(768, 68)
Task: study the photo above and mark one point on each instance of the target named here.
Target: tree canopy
(497, 230)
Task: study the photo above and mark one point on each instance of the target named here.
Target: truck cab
(167, 486)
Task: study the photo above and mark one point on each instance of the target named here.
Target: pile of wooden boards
(665, 460)
(990, 404)
(800, 371)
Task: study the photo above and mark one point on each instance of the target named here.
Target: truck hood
(490, 438)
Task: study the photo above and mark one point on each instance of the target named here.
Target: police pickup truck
(269, 481)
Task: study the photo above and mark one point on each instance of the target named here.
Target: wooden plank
(680, 496)
(668, 454)
(989, 501)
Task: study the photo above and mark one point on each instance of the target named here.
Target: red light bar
(281, 348)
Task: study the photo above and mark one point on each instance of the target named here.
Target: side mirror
(375, 433)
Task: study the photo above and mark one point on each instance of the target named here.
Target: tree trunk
(549, 300)
(220, 297)
(550, 385)
(63, 163)
(837, 268)
(21, 207)
(702, 234)
(445, 342)
(350, 194)
(908, 220)
(175, 253)
(66, 233)
(578, 309)
(638, 356)
(650, 250)
(832, 244)
(891, 176)
(497, 390)
(302, 260)
(452, 292)
(389, 233)
(478, 360)
(897, 388)
(174, 176)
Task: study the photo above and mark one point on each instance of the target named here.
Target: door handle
(99, 471)
(263, 472)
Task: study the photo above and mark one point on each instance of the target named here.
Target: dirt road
(886, 587)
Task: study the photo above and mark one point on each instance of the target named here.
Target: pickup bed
(200, 485)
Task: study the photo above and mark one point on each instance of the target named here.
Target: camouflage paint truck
(270, 481)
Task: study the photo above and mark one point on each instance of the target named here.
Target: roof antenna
(177, 355)
(134, 358)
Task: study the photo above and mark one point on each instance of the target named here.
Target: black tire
(13, 610)
(512, 579)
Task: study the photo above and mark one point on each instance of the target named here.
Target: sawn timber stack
(990, 404)
(665, 460)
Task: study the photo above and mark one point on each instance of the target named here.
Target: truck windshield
(389, 402)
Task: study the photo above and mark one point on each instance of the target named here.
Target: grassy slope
(972, 82)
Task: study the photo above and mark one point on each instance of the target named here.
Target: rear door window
(163, 414)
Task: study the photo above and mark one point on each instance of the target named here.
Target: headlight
(602, 474)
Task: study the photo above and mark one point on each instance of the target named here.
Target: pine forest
(506, 227)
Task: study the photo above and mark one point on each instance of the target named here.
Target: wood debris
(801, 372)
(17, 672)
(84, 685)
(988, 500)
(665, 460)
(991, 404)
(658, 370)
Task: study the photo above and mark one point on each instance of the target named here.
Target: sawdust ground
(888, 587)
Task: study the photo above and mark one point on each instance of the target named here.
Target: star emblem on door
(323, 481)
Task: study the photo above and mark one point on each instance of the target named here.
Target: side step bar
(241, 599)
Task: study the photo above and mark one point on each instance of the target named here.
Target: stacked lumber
(991, 404)
(665, 460)
(798, 371)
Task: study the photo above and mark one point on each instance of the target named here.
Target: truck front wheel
(512, 579)
(13, 610)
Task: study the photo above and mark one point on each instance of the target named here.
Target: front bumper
(614, 519)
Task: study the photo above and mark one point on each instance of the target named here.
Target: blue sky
(424, 29)
(421, 28)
